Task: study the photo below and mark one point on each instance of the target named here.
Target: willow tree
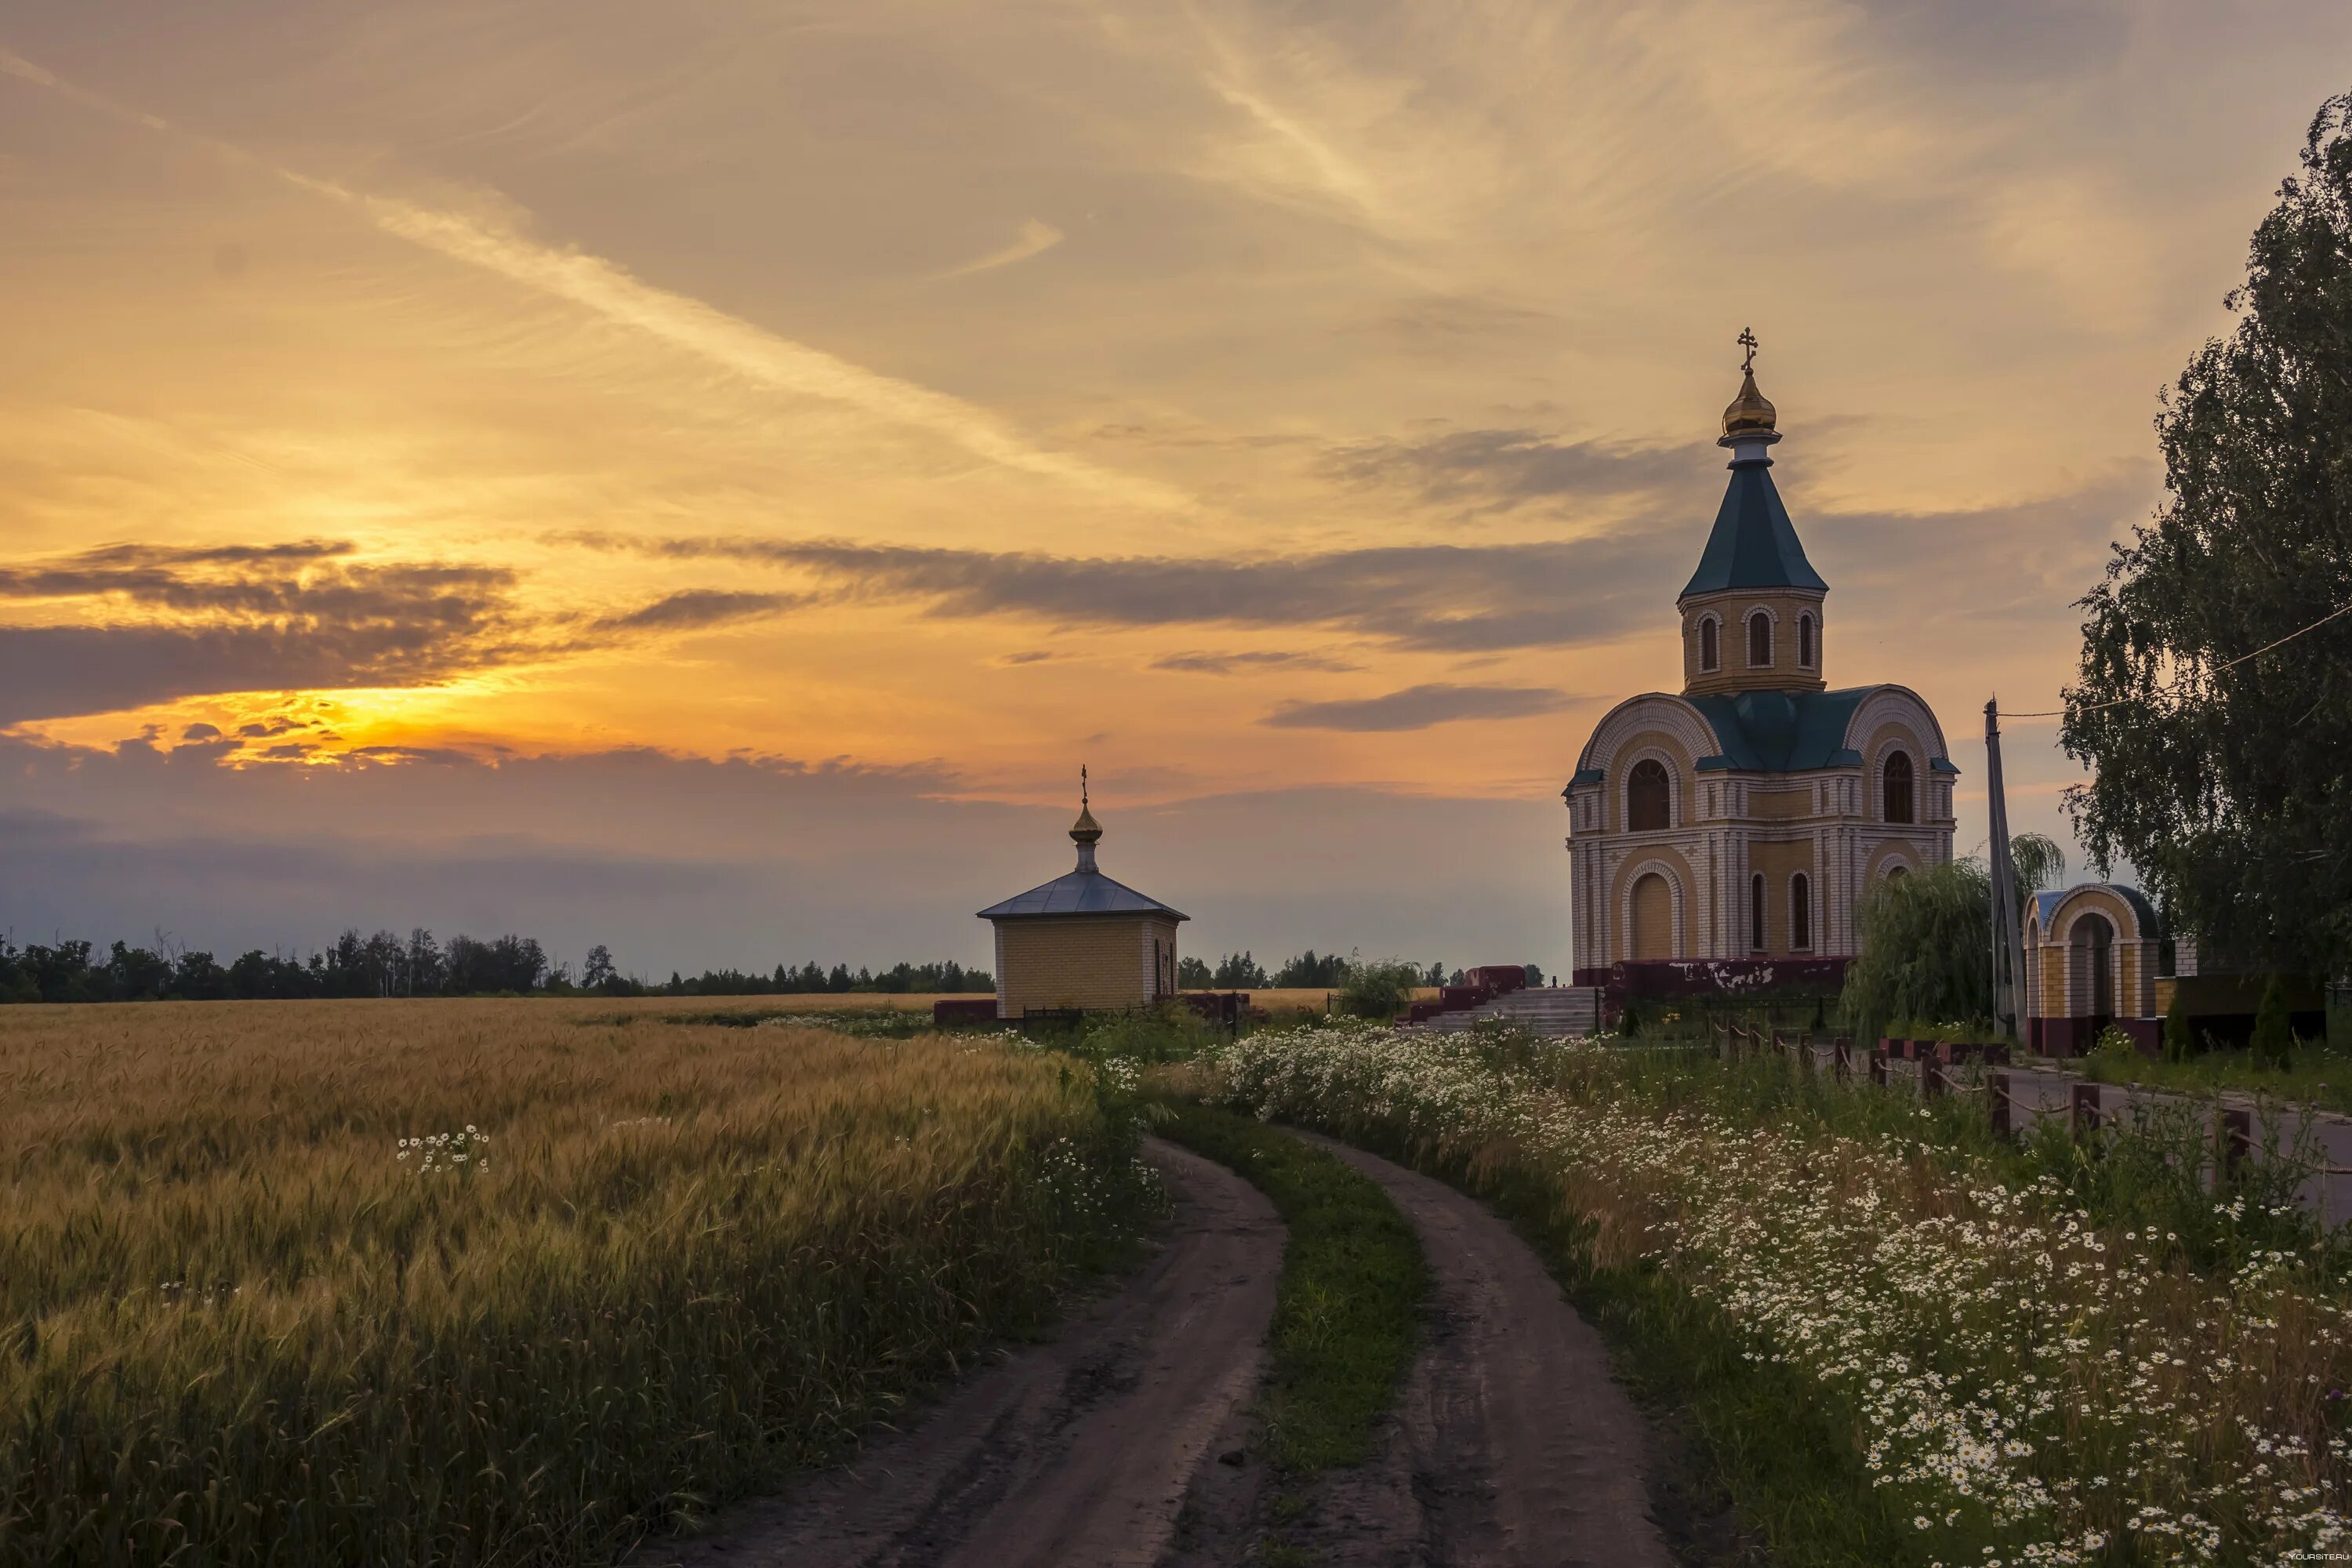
(2221, 770)
(1925, 948)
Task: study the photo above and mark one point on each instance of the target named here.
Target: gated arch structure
(2090, 961)
(1764, 771)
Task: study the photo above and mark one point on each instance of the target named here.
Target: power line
(2060, 712)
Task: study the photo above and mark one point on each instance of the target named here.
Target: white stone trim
(1897, 704)
(1656, 711)
(999, 926)
(1903, 856)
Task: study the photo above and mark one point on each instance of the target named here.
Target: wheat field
(241, 1321)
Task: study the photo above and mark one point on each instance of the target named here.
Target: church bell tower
(1752, 612)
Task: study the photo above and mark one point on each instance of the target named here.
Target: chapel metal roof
(1080, 892)
(1753, 544)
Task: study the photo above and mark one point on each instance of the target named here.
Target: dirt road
(1073, 1454)
(1511, 1443)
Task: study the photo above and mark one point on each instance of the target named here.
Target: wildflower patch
(2023, 1385)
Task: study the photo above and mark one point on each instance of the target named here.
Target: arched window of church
(1710, 657)
(1648, 804)
(1805, 641)
(1800, 911)
(1759, 640)
(1897, 786)
(1756, 911)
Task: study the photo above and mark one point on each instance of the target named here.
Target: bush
(1376, 990)
(2274, 1043)
(1168, 1033)
(2114, 1045)
(2180, 1035)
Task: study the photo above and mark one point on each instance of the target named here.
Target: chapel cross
(1748, 341)
(1082, 786)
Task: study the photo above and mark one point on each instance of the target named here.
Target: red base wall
(1672, 977)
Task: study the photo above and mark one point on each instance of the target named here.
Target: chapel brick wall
(1080, 961)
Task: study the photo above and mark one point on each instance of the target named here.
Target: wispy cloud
(1419, 708)
(1439, 597)
(610, 292)
(1256, 659)
(1505, 468)
(1035, 238)
(694, 609)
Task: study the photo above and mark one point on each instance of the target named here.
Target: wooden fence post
(1998, 1081)
(2235, 1130)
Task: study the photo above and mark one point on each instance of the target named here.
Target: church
(1723, 836)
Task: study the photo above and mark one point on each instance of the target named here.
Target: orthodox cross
(1082, 786)
(1748, 341)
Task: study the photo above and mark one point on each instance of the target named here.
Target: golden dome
(1086, 829)
(1750, 414)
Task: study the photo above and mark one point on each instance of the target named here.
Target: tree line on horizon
(389, 964)
(419, 964)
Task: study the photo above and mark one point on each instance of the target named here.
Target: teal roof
(1754, 544)
(1781, 731)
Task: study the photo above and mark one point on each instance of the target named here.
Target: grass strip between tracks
(1344, 1311)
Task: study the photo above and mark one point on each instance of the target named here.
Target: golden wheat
(240, 1322)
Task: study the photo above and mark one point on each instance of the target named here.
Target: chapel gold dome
(1750, 414)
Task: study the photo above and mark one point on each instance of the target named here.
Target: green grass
(1352, 1282)
(2315, 1075)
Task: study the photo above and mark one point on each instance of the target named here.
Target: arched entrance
(2094, 942)
(1653, 918)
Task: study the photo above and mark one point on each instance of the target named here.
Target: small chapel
(1082, 943)
(1732, 827)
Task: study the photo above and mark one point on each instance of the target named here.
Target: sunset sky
(702, 477)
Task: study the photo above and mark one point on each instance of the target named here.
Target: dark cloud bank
(679, 862)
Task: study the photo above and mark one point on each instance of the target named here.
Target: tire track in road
(1072, 1454)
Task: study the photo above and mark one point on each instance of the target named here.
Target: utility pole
(2007, 939)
